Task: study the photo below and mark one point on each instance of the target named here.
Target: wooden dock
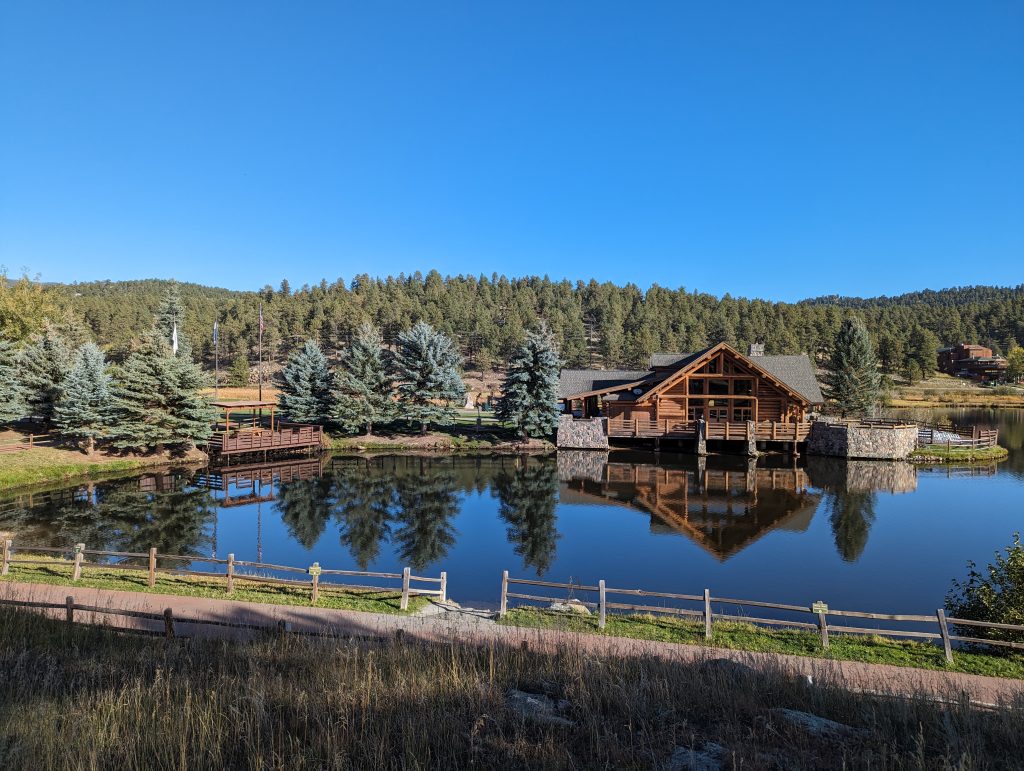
(763, 431)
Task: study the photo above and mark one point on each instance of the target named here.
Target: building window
(718, 413)
(743, 411)
(696, 386)
(719, 387)
(695, 411)
(743, 387)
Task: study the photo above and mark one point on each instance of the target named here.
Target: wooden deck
(767, 431)
(284, 436)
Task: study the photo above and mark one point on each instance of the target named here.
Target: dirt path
(477, 627)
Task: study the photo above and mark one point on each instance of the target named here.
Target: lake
(864, 535)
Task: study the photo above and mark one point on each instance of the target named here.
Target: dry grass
(248, 393)
(87, 697)
(54, 464)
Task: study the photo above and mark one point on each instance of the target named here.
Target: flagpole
(216, 361)
(261, 352)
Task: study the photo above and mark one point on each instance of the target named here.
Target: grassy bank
(58, 572)
(53, 464)
(946, 391)
(88, 697)
(939, 454)
(748, 637)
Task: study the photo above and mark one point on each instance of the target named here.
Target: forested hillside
(595, 324)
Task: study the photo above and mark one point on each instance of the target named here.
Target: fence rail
(27, 442)
(818, 610)
(78, 553)
(975, 437)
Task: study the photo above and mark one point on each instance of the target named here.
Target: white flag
(174, 339)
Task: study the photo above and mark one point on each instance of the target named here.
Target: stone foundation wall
(842, 440)
(582, 434)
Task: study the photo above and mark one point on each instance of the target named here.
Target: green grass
(939, 454)
(41, 465)
(749, 637)
(58, 572)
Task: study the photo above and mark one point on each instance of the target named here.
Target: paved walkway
(444, 625)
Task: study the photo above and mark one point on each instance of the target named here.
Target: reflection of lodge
(723, 510)
(255, 483)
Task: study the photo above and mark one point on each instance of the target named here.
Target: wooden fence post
(944, 630)
(601, 608)
(168, 623)
(79, 556)
(503, 607)
(405, 589)
(69, 609)
(6, 558)
(707, 614)
(231, 573)
(152, 567)
(823, 626)
(444, 586)
(314, 571)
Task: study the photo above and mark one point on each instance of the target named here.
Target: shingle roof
(794, 371)
(579, 381)
(674, 360)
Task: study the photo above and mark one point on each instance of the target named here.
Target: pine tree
(12, 396)
(157, 405)
(238, 375)
(853, 380)
(923, 348)
(44, 366)
(306, 386)
(529, 399)
(426, 371)
(83, 411)
(170, 316)
(363, 387)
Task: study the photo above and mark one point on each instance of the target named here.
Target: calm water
(862, 535)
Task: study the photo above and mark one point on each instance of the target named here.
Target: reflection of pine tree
(426, 504)
(172, 519)
(527, 498)
(363, 510)
(851, 514)
(305, 506)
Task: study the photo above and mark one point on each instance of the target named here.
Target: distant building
(973, 361)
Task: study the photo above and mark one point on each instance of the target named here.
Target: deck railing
(704, 611)
(975, 437)
(74, 559)
(282, 436)
(724, 430)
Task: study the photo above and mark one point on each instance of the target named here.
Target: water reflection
(528, 496)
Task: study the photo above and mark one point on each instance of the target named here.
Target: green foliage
(912, 372)
(26, 307)
(306, 386)
(426, 373)
(44, 365)
(12, 395)
(170, 319)
(157, 405)
(529, 399)
(238, 375)
(853, 381)
(84, 409)
(363, 385)
(1015, 365)
(995, 595)
(923, 348)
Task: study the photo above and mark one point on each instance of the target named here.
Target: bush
(995, 595)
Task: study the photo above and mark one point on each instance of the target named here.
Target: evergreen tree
(44, 366)
(426, 371)
(426, 505)
(83, 411)
(529, 399)
(12, 396)
(238, 375)
(306, 386)
(170, 316)
(157, 405)
(1015, 365)
(923, 348)
(528, 499)
(851, 515)
(363, 383)
(305, 506)
(852, 380)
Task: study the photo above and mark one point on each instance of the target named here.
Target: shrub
(995, 595)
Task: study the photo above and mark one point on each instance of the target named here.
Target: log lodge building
(735, 397)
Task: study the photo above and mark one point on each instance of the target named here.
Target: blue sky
(779, 150)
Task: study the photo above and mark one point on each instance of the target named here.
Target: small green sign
(314, 569)
(819, 607)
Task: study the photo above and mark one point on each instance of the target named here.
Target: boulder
(711, 757)
(570, 606)
(537, 707)
(813, 724)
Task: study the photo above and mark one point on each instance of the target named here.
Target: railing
(27, 442)
(283, 436)
(151, 567)
(724, 430)
(975, 437)
(819, 610)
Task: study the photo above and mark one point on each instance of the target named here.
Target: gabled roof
(794, 371)
(583, 382)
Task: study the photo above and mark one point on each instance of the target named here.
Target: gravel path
(443, 625)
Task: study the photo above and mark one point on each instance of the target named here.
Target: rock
(711, 757)
(570, 606)
(537, 707)
(813, 724)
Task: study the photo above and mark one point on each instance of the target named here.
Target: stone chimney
(756, 349)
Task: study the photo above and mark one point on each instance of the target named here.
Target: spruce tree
(12, 396)
(306, 386)
(363, 387)
(852, 381)
(44, 366)
(157, 405)
(238, 375)
(529, 399)
(426, 373)
(170, 315)
(83, 411)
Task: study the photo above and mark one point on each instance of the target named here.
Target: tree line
(592, 324)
